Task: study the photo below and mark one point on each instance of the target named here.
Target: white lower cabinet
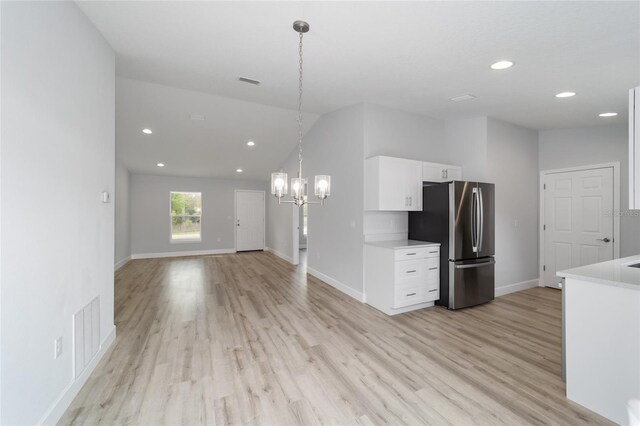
(401, 276)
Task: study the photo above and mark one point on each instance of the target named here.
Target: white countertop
(613, 272)
(400, 244)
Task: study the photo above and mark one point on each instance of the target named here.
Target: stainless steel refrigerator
(460, 216)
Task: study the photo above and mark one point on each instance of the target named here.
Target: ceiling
(413, 56)
(214, 147)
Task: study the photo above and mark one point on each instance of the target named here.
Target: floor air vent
(86, 335)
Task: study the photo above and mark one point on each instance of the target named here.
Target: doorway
(249, 220)
(300, 217)
(578, 218)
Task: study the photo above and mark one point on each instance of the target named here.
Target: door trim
(235, 216)
(616, 208)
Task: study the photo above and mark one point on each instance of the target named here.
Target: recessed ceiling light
(565, 94)
(251, 143)
(502, 65)
(608, 114)
(147, 131)
(160, 164)
(239, 170)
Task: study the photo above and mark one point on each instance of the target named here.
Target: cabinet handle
(446, 173)
(433, 252)
(411, 271)
(431, 291)
(410, 201)
(435, 267)
(411, 294)
(411, 254)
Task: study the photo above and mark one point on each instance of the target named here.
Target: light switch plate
(57, 348)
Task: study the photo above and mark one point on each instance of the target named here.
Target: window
(186, 215)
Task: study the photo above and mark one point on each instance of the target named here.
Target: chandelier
(279, 187)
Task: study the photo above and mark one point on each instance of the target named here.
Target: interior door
(249, 220)
(578, 220)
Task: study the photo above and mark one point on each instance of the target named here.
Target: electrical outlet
(57, 348)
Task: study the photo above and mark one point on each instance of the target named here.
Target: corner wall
(512, 164)
(58, 85)
(122, 200)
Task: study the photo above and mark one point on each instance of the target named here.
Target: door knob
(604, 240)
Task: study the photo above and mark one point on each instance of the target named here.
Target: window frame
(171, 216)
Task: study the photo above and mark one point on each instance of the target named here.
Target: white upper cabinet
(434, 172)
(393, 184)
(634, 148)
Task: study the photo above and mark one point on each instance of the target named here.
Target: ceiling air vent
(249, 80)
(463, 98)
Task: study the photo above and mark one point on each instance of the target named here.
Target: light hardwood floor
(247, 338)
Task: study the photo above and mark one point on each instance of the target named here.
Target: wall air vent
(463, 98)
(249, 80)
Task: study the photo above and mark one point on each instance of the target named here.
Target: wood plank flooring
(249, 339)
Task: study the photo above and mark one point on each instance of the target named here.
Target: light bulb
(279, 183)
(322, 185)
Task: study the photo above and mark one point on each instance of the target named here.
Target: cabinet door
(413, 184)
(392, 184)
(432, 172)
(454, 173)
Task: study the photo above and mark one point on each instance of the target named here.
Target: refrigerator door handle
(481, 215)
(475, 199)
(475, 265)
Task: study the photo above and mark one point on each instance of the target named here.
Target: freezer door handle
(475, 265)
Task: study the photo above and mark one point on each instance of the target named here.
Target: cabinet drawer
(416, 272)
(417, 253)
(432, 294)
(409, 296)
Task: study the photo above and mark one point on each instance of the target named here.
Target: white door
(578, 220)
(249, 220)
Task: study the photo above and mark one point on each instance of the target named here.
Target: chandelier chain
(300, 102)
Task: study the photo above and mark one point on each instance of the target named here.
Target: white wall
(512, 164)
(401, 134)
(150, 213)
(122, 200)
(593, 145)
(334, 146)
(57, 236)
(466, 141)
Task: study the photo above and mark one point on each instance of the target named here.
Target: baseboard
(181, 253)
(121, 263)
(337, 284)
(280, 255)
(64, 400)
(512, 288)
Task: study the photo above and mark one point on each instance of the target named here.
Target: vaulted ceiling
(413, 56)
